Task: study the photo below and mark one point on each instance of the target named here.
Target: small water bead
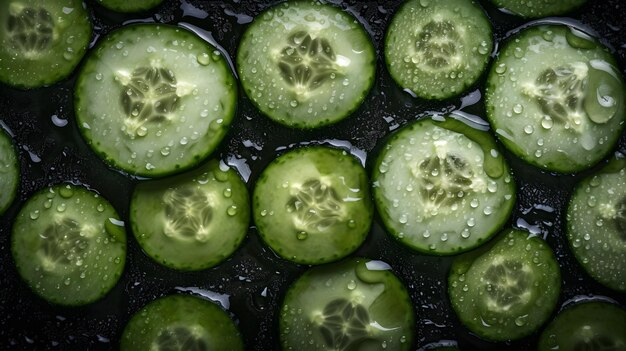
(61, 207)
(47, 204)
(488, 210)
(471, 222)
(483, 49)
(538, 153)
(501, 68)
(518, 52)
(547, 122)
(165, 151)
(444, 237)
(150, 166)
(492, 187)
(67, 281)
(34, 214)
(203, 59)
(521, 320)
(592, 201)
(100, 208)
(99, 76)
(424, 3)
(587, 237)
(263, 213)
(293, 103)
(426, 234)
(351, 285)
(352, 223)
(518, 109)
(184, 141)
(232, 210)
(474, 203)
(302, 235)
(228, 192)
(528, 129)
(599, 222)
(576, 243)
(595, 181)
(465, 233)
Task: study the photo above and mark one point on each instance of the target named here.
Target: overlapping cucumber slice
(154, 100)
(306, 64)
(69, 245)
(357, 304)
(596, 224)
(312, 205)
(555, 97)
(9, 171)
(506, 290)
(438, 49)
(41, 42)
(194, 220)
(181, 322)
(129, 6)
(441, 186)
(538, 8)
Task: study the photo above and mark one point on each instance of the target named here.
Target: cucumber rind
(521, 105)
(51, 62)
(174, 129)
(343, 204)
(305, 107)
(129, 6)
(202, 320)
(467, 227)
(410, 70)
(468, 287)
(223, 214)
(586, 322)
(593, 237)
(10, 171)
(539, 9)
(359, 283)
(85, 262)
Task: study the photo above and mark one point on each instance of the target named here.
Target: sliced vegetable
(69, 245)
(9, 171)
(357, 304)
(129, 6)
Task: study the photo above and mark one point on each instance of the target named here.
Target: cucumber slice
(194, 220)
(441, 186)
(507, 289)
(69, 245)
(179, 322)
(41, 42)
(312, 205)
(539, 8)
(438, 49)
(306, 64)
(129, 6)
(586, 326)
(555, 97)
(9, 171)
(154, 100)
(596, 225)
(357, 304)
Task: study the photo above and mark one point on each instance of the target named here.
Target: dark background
(253, 281)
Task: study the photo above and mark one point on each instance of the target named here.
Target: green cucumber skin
(545, 9)
(129, 6)
(7, 195)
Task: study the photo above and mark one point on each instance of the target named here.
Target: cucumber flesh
(357, 304)
(154, 100)
(556, 98)
(306, 64)
(69, 245)
(194, 220)
(180, 322)
(442, 187)
(41, 42)
(539, 8)
(590, 325)
(129, 6)
(9, 171)
(507, 289)
(312, 205)
(596, 225)
(438, 49)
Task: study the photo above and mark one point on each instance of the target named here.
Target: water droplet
(263, 213)
(465, 233)
(488, 210)
(100, 208)
(403, 219)
(521, 320)
(501, 68)
(529, 129)
(599, 222)
(518, 52)
(474, 203)
(67, 281)
(351, 285)
(465, 287)
(293, 103)
(228, 192)
(483, 49)
(352, 223)
(203, 59)
(142, 131)
(444, 237)
(66, 192)
(34, 214)
(184, 141)
(471, 222)
(61, 207)
(518, 109)
(546, 122)
(592, 201)
(99, 76)
(165, 151)
(302, 235)
(232, 210)
(47, 203)
(424, 3)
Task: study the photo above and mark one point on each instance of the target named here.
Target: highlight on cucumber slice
(181, 322)
(596, 225)
(306, 64)
(438, 49)
(154, 100)
(9, 171)
(69, 245)
(356, 304)
(41, 42)
(555, 98)
(593, 325)
(191, 221)
(129, 6)
(538, 8)
(441, 186)
(312, 205)
(507, 289)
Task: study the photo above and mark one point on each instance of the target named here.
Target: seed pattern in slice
(555, 98)
(41, 42)
(506, 289)
(306, 64)
(9, 171)
(596, 225)
(181, 322)
(129, 6)
(586, 326)
(69, 245)
(312, 205)
(154, 100)
(357, 304)
(438, 49)
(442, 187)
(203, 214)
(538, 8)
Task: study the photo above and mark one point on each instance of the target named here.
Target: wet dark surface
(253, 281)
